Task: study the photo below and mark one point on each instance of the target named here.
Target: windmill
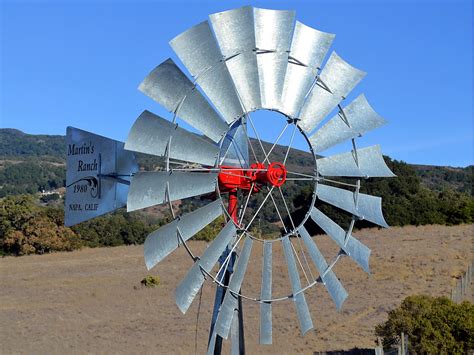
(241, 61)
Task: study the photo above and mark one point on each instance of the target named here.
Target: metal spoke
(300, 179)
(223, 267)
(258, 138)
(296, 234)
(337, 182)
(287, 209)
(289, 146)
(300, 174)
(259, 208)
(246, 204)
(331, 265)
(227, 259)
(240, 157)
(183, 242)
(228, 148)
(278, 212)
(248, 139)
(196, 169)
(299, 262)
(240, 176)
(304, 256)
(217, 169)
(225, 155)
(275, 143)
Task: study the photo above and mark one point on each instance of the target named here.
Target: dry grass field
(91, 301)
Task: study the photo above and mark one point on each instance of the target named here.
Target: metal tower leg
(237, 328)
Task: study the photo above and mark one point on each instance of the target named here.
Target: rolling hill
(17, 146)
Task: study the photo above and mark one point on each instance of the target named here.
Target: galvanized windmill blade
(172, 89)
(336, 81)
(308, 50)
(156, 187)
(234, 147)
(157, 136)
(240, 61)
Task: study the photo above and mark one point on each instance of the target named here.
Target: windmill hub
(231, 178)
(275, 174)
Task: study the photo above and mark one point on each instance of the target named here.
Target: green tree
(26, 228)
(433, 325)
(30, 177)
(210, 231)
(119, 228)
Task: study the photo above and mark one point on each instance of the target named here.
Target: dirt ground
(91, 301)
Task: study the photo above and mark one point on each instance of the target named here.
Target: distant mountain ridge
(16, 145)
(439, 178)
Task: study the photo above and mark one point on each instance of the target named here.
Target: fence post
(463, 288)
(379, 348)
(403, 343)
(406, 344)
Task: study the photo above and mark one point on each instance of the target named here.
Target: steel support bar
(225, 274)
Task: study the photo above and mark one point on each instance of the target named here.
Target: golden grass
(88, 300)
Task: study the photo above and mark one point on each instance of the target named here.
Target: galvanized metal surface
(235, 149)
(333, 285)
(156, 187)
(230, 303)
(197, 48)
(219, 87)
(336, 81)
(234, 30)
(172, 89)
(273, 29)
(356, 119)
(273, 32)
(165, 240)
(236, 346)
(308, 49)
(272, 69)
(350, 245)
(90, 159)
(244, 72)
(368, 207)
(189, 287)
(304, 317)
(309, 46)
(366, 162)
(298, 81)
(151, 134)
(212, 344)
(199, 52)
(266, 294)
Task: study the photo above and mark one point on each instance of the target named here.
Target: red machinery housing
(231, 179)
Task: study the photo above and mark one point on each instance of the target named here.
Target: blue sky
(79, 63)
